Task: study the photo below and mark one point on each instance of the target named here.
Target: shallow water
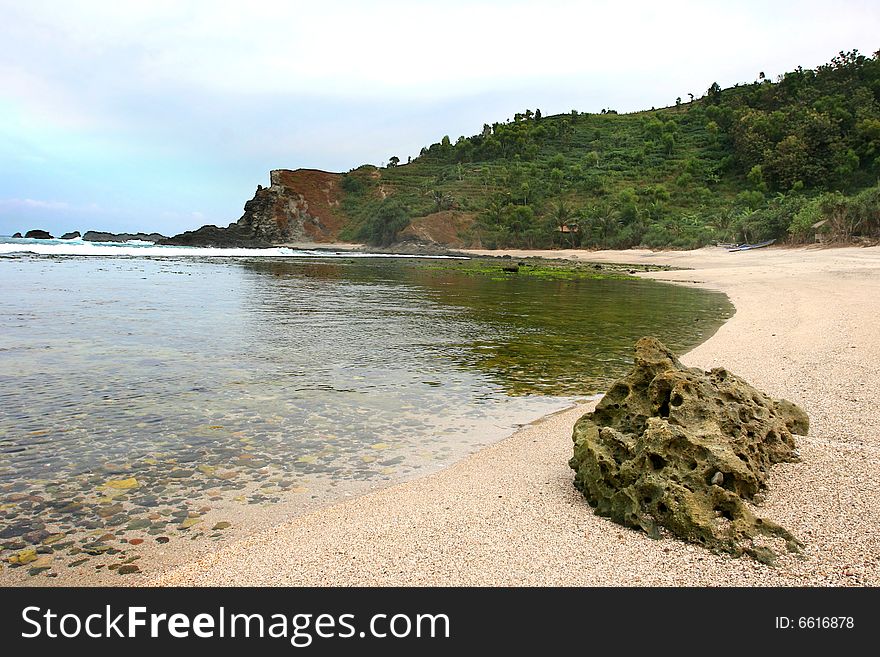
(137, 393)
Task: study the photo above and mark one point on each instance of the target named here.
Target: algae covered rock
(681, 448)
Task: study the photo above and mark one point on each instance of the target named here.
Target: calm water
(133, 388)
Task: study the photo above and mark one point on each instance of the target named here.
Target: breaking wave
(78, 247)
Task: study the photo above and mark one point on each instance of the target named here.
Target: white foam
(149, 249)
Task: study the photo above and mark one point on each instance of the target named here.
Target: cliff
(298, 206)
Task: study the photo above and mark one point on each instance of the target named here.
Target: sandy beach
(804, 329)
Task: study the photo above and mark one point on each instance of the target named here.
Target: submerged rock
(120, 484)
(684, 449)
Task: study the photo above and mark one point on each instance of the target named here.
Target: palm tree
(605, 222)
(561, 214)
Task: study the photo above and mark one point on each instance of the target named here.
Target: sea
(148, 392)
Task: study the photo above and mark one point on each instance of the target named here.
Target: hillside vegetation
(769, 159)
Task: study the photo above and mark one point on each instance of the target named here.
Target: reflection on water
(134, 390)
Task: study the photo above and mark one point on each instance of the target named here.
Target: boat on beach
(749, 247)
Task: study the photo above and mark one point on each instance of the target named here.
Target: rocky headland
(297, 206)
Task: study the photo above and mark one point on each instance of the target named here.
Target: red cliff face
(298, 206)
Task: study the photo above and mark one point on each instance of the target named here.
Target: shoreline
(509, 515)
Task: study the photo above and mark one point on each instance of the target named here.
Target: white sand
(805, 329)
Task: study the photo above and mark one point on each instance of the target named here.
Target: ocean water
(144, 249)
(140, 388)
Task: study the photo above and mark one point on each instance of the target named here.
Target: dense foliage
(756, 161)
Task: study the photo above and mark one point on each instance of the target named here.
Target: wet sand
(805, 329)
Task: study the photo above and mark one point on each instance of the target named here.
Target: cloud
(31, 204)
(167, 106)
(410, 50)
(50, 208)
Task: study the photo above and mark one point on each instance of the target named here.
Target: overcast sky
(165, 115)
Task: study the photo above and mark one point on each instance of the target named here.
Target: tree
(654, 128)
(756, 177)
(628, 211)
(714, 93)
(390, 218)
(518, 219)
(393, 161)
(604, 223)
(441, 201)
(789, 162)
(561, 214)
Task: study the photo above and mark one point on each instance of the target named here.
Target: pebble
(120, 484)
(22, 558)
(53, 538)
(110, 510)
(138, 524)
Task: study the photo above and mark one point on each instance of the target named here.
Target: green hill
(762, 160)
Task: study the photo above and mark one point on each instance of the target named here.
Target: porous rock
(676, 447)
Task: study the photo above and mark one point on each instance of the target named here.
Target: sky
(165, 115)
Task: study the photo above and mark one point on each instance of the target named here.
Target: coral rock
(676, 447)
